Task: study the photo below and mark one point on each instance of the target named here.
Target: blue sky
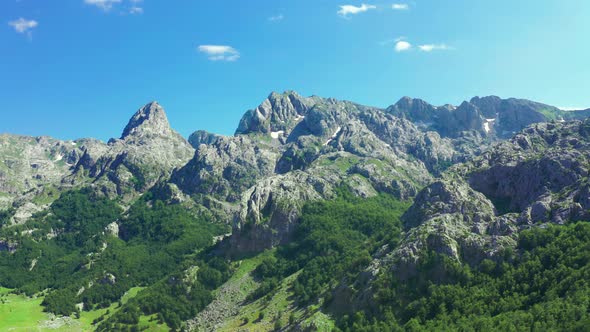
(81, 68)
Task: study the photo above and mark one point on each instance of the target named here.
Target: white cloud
(276, 18)
(402, 45)
(136, 10)
(102, 4)
(400, 6)
(346, 10)
(389, 41)
(433, 47)
(21, 25)
(220, 52)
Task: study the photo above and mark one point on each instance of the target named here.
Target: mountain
(354, 202)
(147, 151)
(479, 207)
(35, 169)
(293, 149)
(478, 211)
(489, 116)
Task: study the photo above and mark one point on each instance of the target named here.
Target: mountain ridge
(282, 116)
(349, 196)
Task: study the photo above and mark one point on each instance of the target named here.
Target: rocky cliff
(288, 150)
(147, 152)
(34, 170)
(472, 184)
(476, 209)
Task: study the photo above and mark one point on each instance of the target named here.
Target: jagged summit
(413, 109)
(202, 137)
(150, 119)
(406, 101)
(489, 116)
(275, 113)
(148, 149)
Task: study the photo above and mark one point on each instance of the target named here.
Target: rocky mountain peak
(202, 137)
(277, 113)
(489, 101)
(408, 103)
(150, 119)
(412, 109)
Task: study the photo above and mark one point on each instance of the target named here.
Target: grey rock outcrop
(541, 173)
(148, 151)
(202, 137)
(451, 218)
(278, 112)
(491, 116)
(29, 163)
(34, 170)
(293, 149)
(148, 121)
(226, 167)
(539, 176)
(299, 142)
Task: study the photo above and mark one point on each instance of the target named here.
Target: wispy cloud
(434, 47)
(346, 10)
(220, 52)
(133, 7)
(389, 41)
(402, 46)
(135, 10)
(400, 6)
(105, 5)
(136, 7)
(276, 18)
(22, 25)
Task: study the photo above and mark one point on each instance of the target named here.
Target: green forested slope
(543, 284)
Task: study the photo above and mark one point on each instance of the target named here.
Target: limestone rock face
(112, 229)
(31, 162)
(491, 116)
(278, 112)
(451, 218)
(202, 137)
(449, 121)
(150, 120)
(34, 170)
(226, 167)
(148, 151)
(477, 209)
(301, 141)
(466, 117)
(416, 110)
(404, 136)
(541, 173)
(513, 114)
(292, 149)
(442, 198)
(323, 143)
(270, 209)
